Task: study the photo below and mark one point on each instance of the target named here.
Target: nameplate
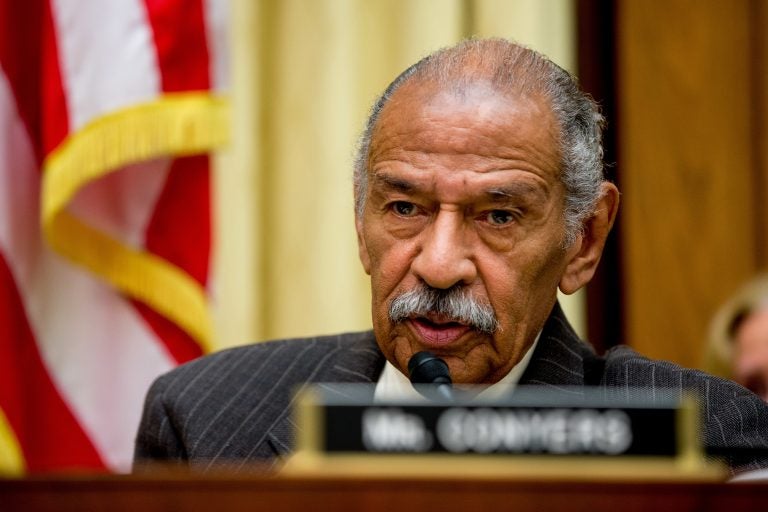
(343, 420)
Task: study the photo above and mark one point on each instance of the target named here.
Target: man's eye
(500, 217)
(404, 208)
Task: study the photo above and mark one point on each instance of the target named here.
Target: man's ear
(362, 249)
(584, 254)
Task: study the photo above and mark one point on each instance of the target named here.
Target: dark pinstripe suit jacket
(234, 406)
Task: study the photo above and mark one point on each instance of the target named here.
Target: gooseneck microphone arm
(427, 368)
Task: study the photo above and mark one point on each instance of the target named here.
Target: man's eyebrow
(514, 191)
(391, 182)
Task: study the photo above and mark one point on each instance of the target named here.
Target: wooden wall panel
(760, 96)
(689, 162)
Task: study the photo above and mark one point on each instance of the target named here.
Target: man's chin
(465, 356)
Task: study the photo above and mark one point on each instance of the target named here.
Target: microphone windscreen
(427, 368)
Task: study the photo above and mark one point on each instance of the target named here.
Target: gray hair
(513, 68)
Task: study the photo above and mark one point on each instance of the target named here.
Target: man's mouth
(438, 332)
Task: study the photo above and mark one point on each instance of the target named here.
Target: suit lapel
(560, 360)
(359, 361)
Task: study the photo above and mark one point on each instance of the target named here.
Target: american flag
(108, 110)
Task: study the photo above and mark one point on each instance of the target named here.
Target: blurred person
(738, 346)
(479, 191)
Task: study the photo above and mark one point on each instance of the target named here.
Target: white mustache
(456, 303)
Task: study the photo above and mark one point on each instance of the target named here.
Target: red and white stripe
(76, 357)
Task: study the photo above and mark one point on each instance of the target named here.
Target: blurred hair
(751, 297)
(514, 70)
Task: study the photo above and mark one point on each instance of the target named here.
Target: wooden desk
(275, 493)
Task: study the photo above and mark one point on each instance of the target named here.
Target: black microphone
(427, 368)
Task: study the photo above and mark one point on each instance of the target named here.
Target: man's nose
(445, 252)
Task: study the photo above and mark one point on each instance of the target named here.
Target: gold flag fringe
(174, 125)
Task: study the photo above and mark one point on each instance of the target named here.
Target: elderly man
(479, 191)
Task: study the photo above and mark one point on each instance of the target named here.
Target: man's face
(463, 191)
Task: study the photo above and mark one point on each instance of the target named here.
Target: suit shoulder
(626, 367)
(734, 418)
(294, 360)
